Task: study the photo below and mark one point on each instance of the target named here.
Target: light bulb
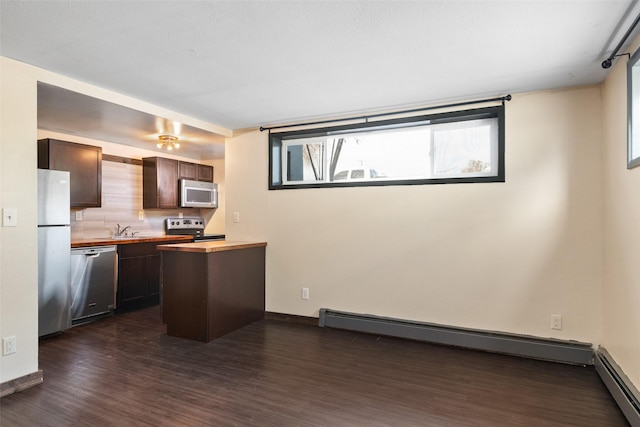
(167, 141)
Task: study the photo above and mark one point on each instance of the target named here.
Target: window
(463, 146)
(633, 111)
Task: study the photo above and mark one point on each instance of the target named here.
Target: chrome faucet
(121, 231)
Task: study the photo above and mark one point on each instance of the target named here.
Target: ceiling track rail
(609, 61)
(502, 99)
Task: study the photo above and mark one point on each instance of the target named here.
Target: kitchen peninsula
(212, 288)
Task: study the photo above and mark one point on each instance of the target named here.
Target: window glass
(465, 151)
(633, 110)
(357, 174)
(443, 148)
(304, 161)
(341, 175)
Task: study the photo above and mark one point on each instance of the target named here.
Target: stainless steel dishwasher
(93, 278)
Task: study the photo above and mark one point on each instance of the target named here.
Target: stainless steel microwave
(198, 194)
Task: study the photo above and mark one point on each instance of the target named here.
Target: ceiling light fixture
(169, 142)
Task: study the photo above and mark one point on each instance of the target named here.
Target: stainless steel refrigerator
(54, 252)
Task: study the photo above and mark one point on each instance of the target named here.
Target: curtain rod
(609, 61)
(366, 118)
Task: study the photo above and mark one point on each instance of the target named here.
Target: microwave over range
(198, 194)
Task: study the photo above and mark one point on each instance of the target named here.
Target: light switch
(9, 217)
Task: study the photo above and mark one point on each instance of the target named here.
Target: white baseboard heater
(625, 394)
(572, 352)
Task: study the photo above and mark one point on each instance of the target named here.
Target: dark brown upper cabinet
(196, 171)
(205, 173)
(188, 170)
(159, 183)
(84, 162)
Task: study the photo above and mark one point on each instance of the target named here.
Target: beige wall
(621, 292)
(501, 256)
(19, 245)
(216, 219)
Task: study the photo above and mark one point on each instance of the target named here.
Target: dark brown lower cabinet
(138, 276)
(132, 282)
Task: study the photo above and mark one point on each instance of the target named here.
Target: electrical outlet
(141, 215)
(556, 321)
(78, 215)
(236, 217)
(305, 293)
(8, 345)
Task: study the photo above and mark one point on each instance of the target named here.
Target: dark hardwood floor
(125, 371)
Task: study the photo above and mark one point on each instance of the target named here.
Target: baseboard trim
(21, 383)
(291, 318)
(572, 352)
(620, 387)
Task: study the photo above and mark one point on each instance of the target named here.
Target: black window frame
(276, 143)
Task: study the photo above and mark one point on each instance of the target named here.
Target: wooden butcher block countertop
(213, 246)
(104, 241)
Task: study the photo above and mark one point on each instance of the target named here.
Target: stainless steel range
(191, 226)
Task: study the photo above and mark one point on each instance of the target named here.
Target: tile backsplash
(121, 204)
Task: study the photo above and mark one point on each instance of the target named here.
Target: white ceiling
(242, 64)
